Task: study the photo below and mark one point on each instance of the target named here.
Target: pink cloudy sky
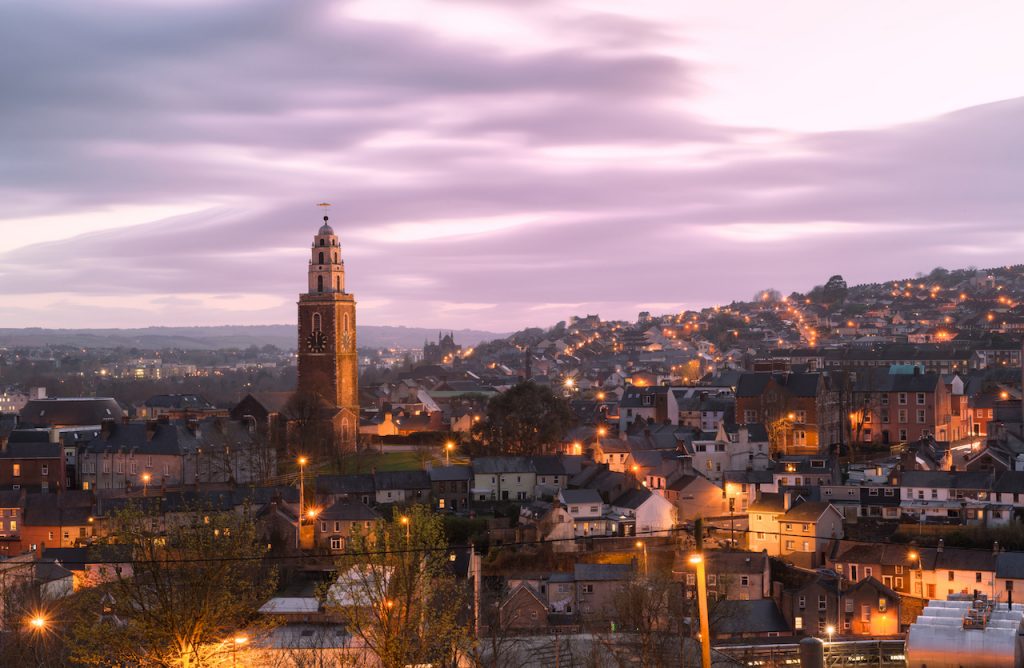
(496, 164)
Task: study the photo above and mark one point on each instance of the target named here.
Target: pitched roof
(345, 484)
(487, 465)
(760, 616)
(411, 479)
(69, 411)
(798, 384)
(349, 511)
(632, 498)
(455, 472)
(603, 572)
(808, 511)
(147, 439)
(23, 450)
(580, 496)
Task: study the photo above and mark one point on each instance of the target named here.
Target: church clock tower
(328, 363)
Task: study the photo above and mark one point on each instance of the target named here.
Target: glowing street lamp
(448, 447)
(146, 477)
(640, 545)
(38, 622)
(404, 519)
(302, 461)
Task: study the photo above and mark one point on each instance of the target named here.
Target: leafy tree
(396, 593)
(525, 420)
(189, 590)
(835, 290)
(768, 295)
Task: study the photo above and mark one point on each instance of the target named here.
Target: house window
(45, 470)
(935, 493)
(323, 526)
(440, 503)
(920, 398)
(952, 576)
(902, 416)
(920, 416)
(17, 470)
(903, 434)
(745, 581)
(821, 602)
(336, 542)
(865, 613)
(899, 583)
(588, 589)
(868, 571)
(902, 398)
(977, 577)
(802, 602)
(849, 605)
(885, 399)
(790, 545)
(120, 466)
(882, 605)
(798, 623)
(691, 579)
(873, 491)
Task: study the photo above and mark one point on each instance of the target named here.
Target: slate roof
(76, 558)
(1010, 565)
(160, 439)
(797, 384)
(761, 616)
(79, 411)
(492, 465)
(880, 380)
(808, 511)
(580, 496)
(345, 484)
(769, 503)
(634, 396)
(10, 498)
(446, 473)
(549, 465)
(947, 479)
(633, 498)
(350, 511)
(413, 479)
(36, 450)
(602, 572)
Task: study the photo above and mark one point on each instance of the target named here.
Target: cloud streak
(475, 182)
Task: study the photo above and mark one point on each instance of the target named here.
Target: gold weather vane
(326, 206)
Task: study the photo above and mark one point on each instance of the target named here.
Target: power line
(656, 533)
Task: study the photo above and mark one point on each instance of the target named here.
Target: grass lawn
(366, 462)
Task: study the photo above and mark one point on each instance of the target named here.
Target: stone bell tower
(328, 366)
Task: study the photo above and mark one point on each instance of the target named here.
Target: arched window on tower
(319, 283)
(335, 256)
(321, 257)
(338, 286)
(316, 322)
(344, 323)
(322, 242)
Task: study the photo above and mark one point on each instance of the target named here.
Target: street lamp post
(404, 519)
(830, 630)
(301, 461)
(448, 447)
(237, 642)
(640, 545)
(146, 477)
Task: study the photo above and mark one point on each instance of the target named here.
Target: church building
(328, 365)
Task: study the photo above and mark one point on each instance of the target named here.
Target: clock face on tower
(317, 342)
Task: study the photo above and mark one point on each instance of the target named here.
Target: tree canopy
(526, 420)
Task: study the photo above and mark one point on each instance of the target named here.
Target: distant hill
(228, 336)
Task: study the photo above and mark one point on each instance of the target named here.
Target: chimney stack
(787, 501)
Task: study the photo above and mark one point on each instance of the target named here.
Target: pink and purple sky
(496, 164)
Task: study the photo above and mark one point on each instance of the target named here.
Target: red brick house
(902, 407)
(35, 464)
(799, 410)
